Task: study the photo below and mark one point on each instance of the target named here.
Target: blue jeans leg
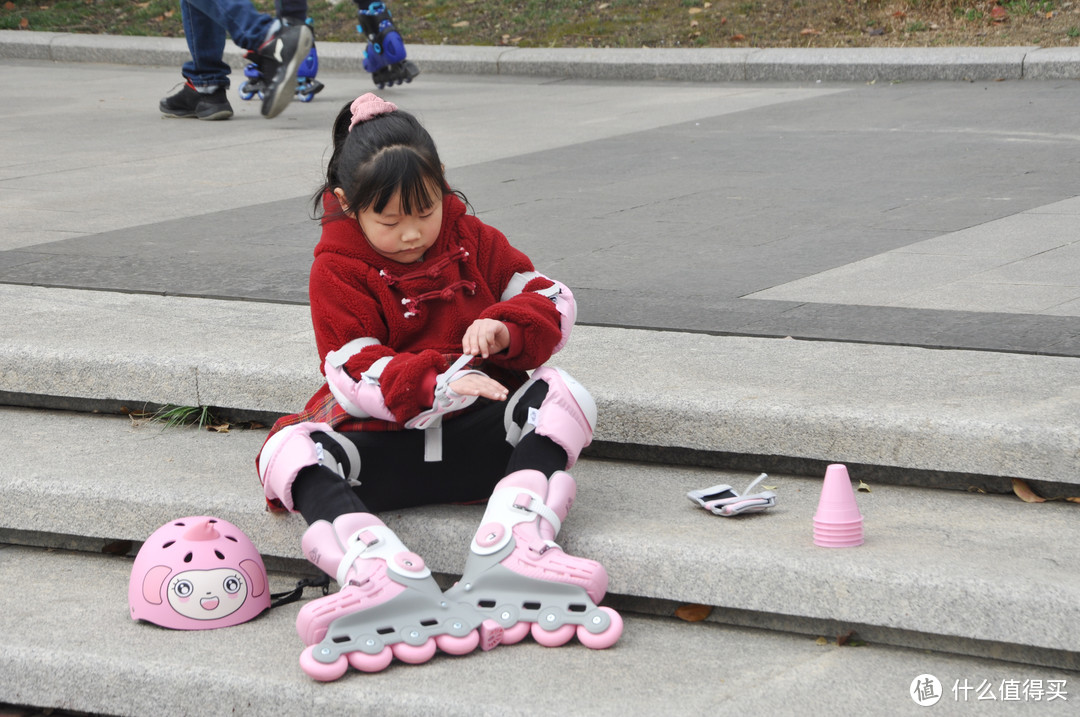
(206, 23)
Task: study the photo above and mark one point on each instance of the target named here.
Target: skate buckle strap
(529, 503)
(358, 544)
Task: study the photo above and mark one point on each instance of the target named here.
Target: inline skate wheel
(322, 671)
(371, 663)
(553, 638)
(415, 654)
(458, 645)
(515, 633)
(606, 638)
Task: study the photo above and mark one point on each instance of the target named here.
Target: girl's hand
(485, 337)
(474, 384)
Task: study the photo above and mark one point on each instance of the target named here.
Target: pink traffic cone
(838, 522)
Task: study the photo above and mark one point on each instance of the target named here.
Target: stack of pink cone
(838, 522)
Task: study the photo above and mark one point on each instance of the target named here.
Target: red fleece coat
(419, 312)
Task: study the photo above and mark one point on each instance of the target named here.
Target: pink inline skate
(388, 606)
(518, 576)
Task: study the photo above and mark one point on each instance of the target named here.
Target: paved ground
(922, 213)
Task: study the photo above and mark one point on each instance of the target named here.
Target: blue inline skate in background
(307, 86)
(384, 56)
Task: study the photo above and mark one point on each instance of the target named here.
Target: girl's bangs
(406, 174)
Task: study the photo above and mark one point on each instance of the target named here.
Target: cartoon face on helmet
(198, 573)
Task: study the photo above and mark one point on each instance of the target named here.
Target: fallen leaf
(463, 23)
(899, 14)
(9, 5)
(220, 428)
(693, 23)
(693, 613)
(603, 6)
(809, 31)
(1023, 492)
(738, 38)
(723, 21)
(694, 10)
(821, 641)
(24, 23)
(1073, 500)
(999, 14)
(863, 487)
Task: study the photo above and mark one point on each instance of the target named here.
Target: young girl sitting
(426, 321)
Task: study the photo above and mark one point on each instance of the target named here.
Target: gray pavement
(933, 214)
(707, 208)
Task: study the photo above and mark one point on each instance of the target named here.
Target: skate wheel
(371, 663)
(553, 638)
(458, 645)
(414, 654)
(515, 633)
(605, 639)
(307, 98)
(322, 671)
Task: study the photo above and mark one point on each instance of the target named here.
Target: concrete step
(902, 415)
(66, 641)
(969, 573)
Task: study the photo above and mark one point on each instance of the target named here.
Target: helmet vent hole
(187, 558)
(219, 555)
(168, 544)
(229, 537)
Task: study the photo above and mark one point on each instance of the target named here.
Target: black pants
(394, 474)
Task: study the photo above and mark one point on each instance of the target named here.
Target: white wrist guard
(724, 501)
(446, 399)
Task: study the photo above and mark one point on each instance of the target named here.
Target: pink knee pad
(567, 414)
(282, 457)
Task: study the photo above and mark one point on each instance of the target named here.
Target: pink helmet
(198, 573)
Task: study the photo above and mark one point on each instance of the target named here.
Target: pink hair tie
(369, 105)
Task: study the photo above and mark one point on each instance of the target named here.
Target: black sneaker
(189, 102)
(279, 59)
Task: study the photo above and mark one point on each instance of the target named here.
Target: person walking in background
(280, 46)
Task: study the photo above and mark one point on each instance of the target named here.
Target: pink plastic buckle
(523, 501)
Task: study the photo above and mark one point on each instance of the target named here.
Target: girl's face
(400, 237)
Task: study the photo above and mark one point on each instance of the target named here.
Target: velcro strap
(374, 372)
(517, 283)
(338, 358)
